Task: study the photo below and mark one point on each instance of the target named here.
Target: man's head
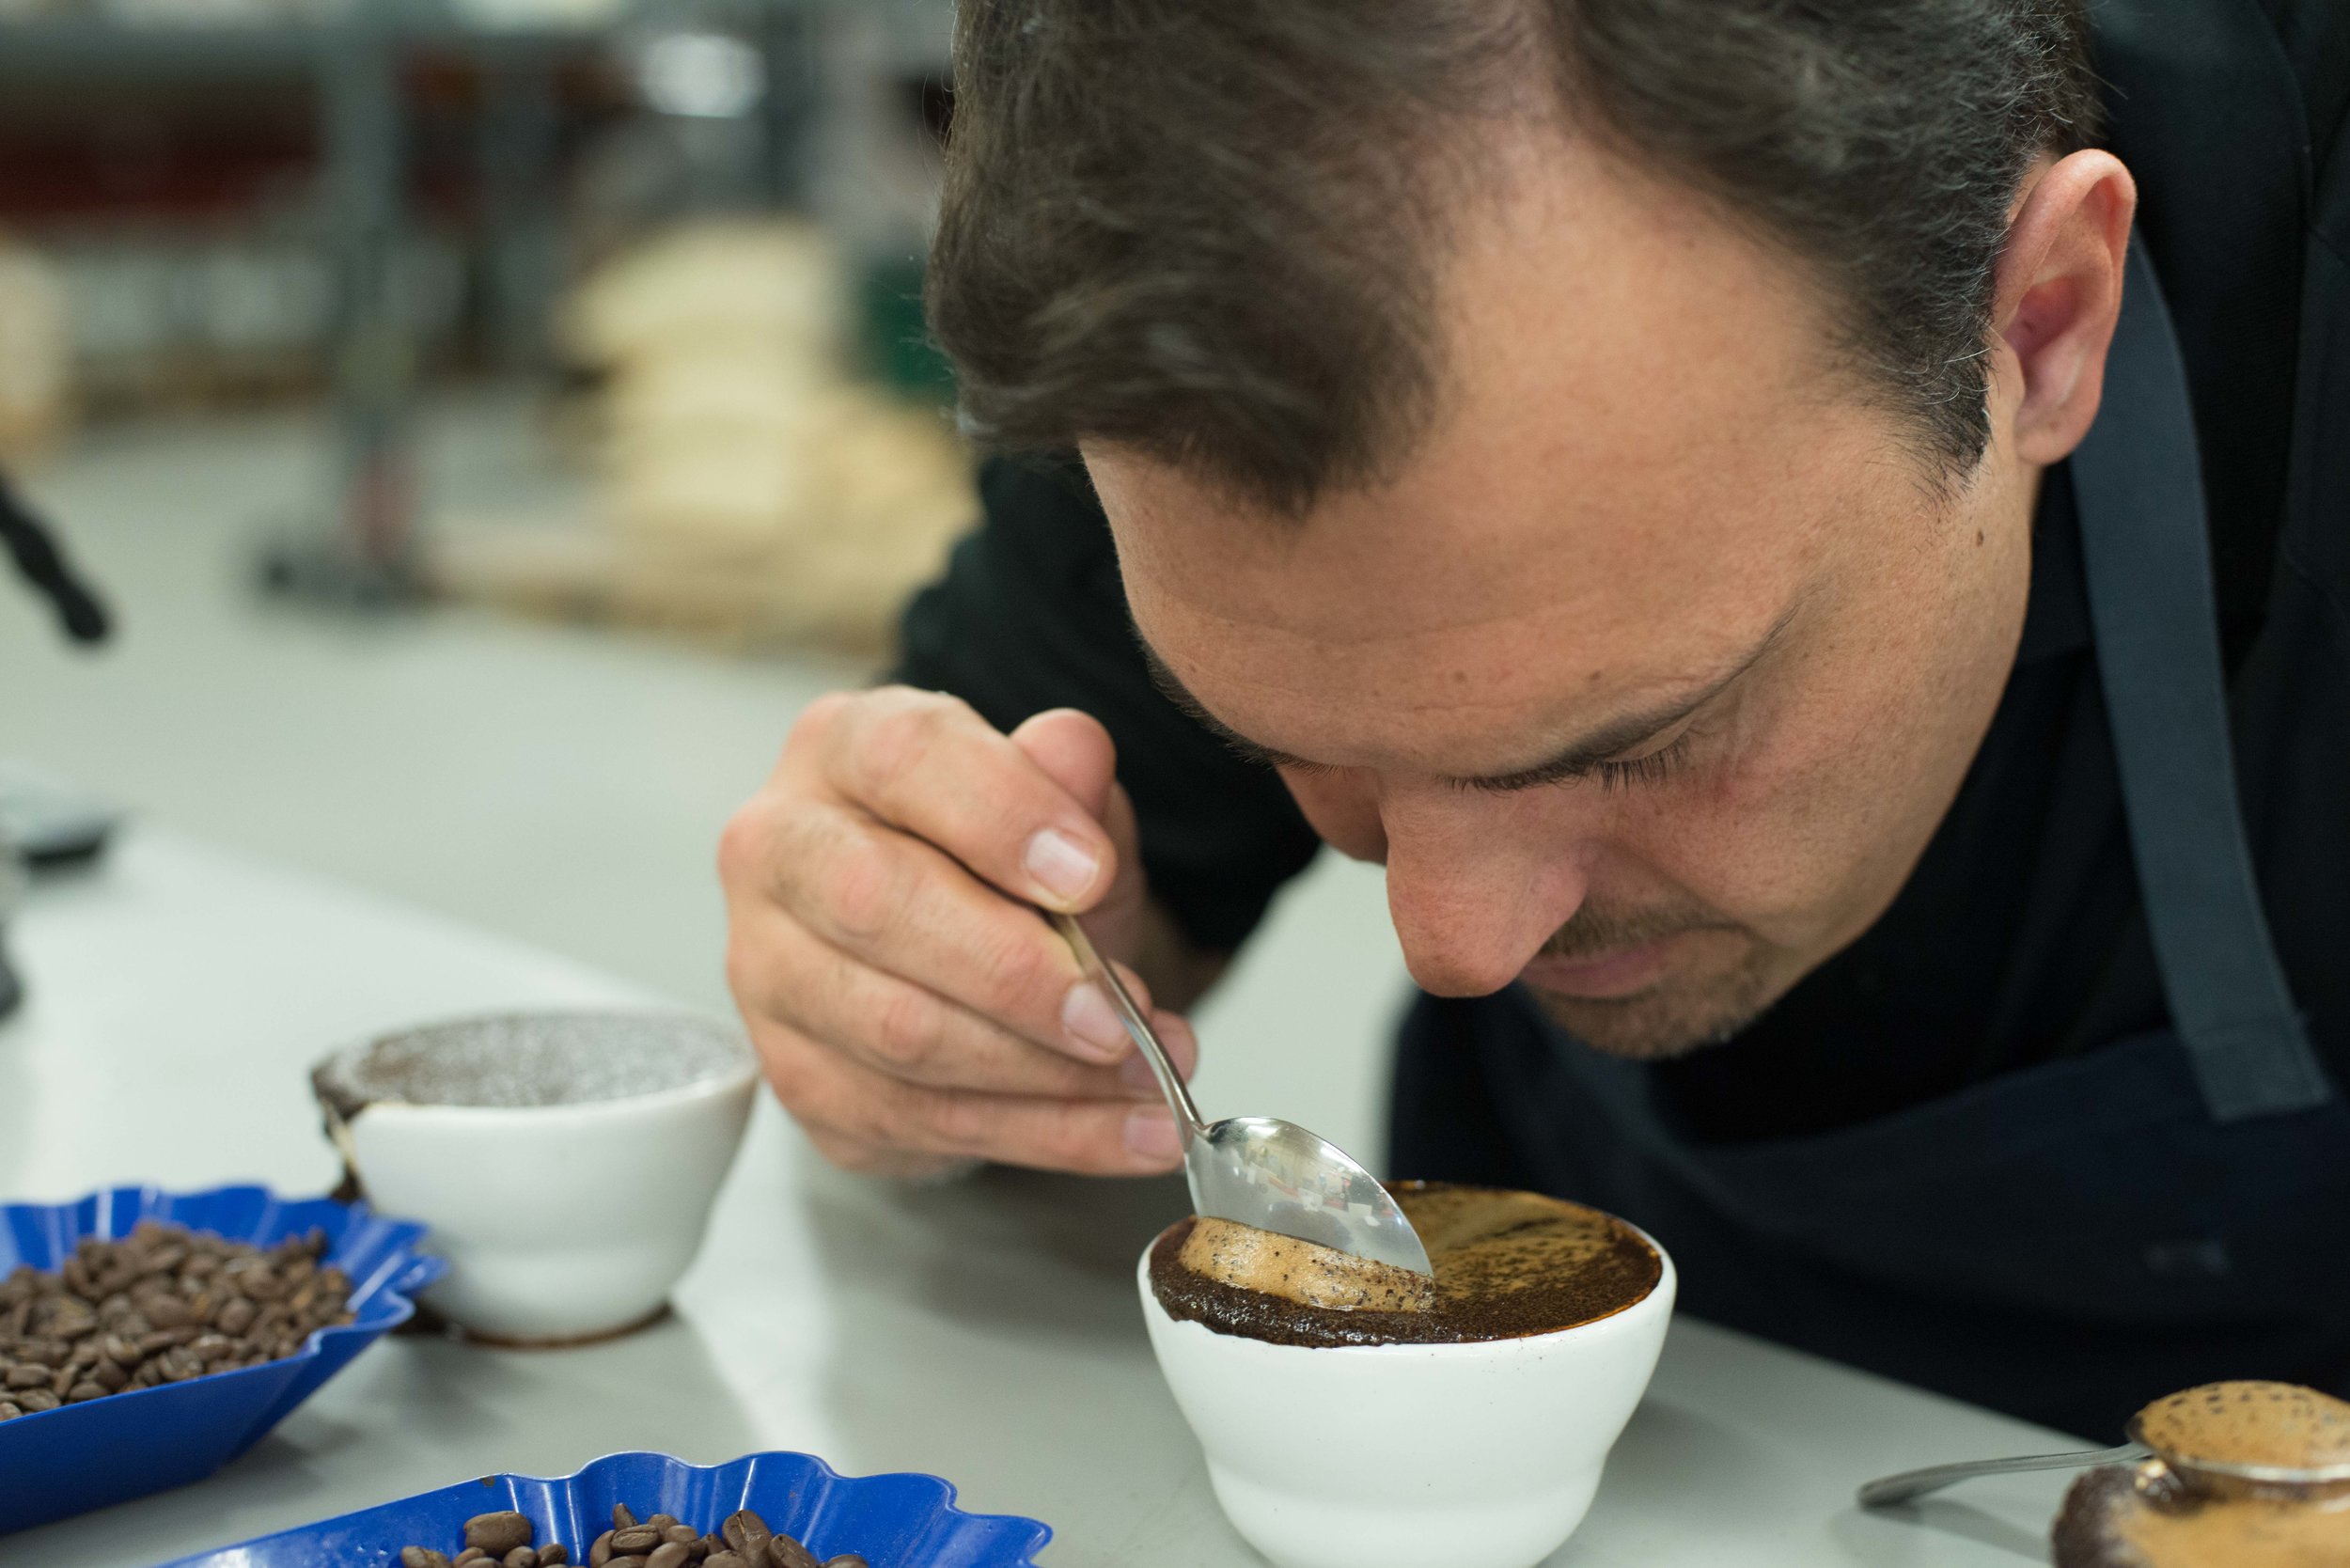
(1587, 445)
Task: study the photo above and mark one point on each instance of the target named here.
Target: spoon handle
(1137, 1025)
(1893, 1490)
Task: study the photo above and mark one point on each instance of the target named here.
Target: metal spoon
(2207, 1477)
(1254, 1170)
(1891, 1491)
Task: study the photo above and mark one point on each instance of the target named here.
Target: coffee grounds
(531, 1059)
(509, 1540)
(1551, 1266)
(163, 1304)
(2114, 1517)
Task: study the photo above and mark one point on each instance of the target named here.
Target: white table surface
(985, 1331)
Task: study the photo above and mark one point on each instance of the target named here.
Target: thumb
(1075, 752)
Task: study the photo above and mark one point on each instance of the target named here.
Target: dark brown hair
(1211, 230)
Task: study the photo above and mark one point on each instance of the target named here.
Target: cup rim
(744, 1072)
(422, 1112)
(1664, 1290)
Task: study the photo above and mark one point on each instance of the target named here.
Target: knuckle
(864, 885)
(895, 741)
(790, 1077)
(905, 1030)
(1016, 977)
(820, 720)
(900, 730)
(745, 843)
(1070, 1142)
(853, 1156)
(959, 1123)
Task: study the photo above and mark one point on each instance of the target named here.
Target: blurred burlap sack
(749, 486)
(36, 355)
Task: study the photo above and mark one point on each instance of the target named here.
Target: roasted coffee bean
(422, 1557)
(138, 1311)
(660, 1541)
(165, 1313)
(784, 1552)
(746, 1532)
(498, 1533)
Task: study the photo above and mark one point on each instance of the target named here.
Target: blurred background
(487, 423)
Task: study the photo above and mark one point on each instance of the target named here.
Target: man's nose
(1474, 887)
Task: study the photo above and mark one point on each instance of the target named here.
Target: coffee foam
(2249, 1423)
(1248, 1258)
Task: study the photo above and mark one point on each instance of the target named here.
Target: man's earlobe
(2059, 294)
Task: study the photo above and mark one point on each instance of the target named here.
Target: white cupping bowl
(1476, 1455)
(560, 1222)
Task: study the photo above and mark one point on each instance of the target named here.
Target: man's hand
(912, 1007)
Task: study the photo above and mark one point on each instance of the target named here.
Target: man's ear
(2059, 294)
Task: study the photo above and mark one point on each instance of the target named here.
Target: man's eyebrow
(1579, 758)
(1171, 688)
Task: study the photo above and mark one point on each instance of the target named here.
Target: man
(1635, 468)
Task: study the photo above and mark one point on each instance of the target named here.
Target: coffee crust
(2280, 1424)
(1508, 1264)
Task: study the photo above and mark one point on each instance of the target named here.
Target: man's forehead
(1636, 461)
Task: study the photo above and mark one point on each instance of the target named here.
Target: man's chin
(1664, 1021)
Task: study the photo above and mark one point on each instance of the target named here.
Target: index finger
(929, 765)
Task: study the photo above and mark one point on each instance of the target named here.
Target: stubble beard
(1683, 1011)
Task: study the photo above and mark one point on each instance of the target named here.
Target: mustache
(1596, 929)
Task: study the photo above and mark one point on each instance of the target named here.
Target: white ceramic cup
(1477, 1455)
(559, 1222)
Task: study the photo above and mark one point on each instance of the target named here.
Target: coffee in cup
(1507, 1264)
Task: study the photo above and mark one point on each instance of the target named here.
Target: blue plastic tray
(895, 1521)
(83, 1456)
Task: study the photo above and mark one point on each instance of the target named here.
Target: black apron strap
(2155, 612)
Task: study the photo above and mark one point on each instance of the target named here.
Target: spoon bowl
(1254, 1169)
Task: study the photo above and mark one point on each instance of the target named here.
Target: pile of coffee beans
(163, 1304)
(509, 1540)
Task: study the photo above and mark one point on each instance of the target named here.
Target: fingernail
(1088, 1017)
(1060, 865)
(1150, 1135)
